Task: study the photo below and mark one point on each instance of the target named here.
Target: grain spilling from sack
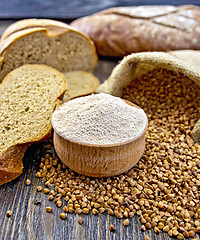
(186, 62)
(172, 160)
(163, 188)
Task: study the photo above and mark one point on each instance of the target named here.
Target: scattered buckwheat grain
(80, 220)
(63, 216)
(112, 228)
(28, 182)
(48, 209)
(163, 188)
(8, 213)
(126, 222)
(39, 188)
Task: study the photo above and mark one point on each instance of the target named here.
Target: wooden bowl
(100, 160)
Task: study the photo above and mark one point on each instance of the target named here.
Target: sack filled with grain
(179, 67)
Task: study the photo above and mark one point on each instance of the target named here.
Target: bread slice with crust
(28, 96)
(80, 83)
(56, 45)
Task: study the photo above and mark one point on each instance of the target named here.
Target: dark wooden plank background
(29, 219)
(67, 9)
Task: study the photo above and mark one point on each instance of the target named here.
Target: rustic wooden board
(30, 220)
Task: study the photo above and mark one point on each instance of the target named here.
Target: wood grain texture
(30, 220)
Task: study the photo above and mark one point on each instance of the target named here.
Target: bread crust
(124, 30)
(14, 156)
(11, 165)
(31, 23)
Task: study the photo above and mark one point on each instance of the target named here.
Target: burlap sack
(133, 66)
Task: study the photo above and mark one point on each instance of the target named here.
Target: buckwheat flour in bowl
(93, 133)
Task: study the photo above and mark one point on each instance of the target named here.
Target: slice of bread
(80, 83)
(28, 96)
(57, 46)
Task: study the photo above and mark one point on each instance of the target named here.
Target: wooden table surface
(30, 220)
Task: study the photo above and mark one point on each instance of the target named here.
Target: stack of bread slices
(35, 54)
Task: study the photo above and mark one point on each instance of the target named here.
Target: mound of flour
(99, 119)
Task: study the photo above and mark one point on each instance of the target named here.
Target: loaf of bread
(28, 97)
(123, 30)
(46, 42)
